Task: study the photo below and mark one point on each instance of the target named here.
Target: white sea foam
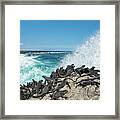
(26, 60)
(28, 69)
(88, 53)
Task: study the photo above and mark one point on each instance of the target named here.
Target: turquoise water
(36, 64)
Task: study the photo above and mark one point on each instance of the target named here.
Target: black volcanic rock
(72, 83)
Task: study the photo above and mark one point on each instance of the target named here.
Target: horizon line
(46, 50)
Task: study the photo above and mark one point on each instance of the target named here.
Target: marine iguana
(84, 83)
(62, 84)
(57, 94)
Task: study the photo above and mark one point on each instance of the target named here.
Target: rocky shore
(71, 83)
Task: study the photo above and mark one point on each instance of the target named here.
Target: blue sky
(59, 35)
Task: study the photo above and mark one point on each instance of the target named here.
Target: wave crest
(87, 53)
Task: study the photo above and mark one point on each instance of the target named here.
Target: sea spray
(88, 53)
(28, 69)
(33, 65)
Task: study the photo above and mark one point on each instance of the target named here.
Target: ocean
(34, 64)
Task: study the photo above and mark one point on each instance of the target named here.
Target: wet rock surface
(71, 83)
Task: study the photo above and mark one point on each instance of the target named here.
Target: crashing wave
(87, 53)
